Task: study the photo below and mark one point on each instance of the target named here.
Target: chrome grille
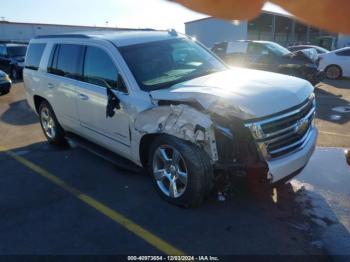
(284, 133)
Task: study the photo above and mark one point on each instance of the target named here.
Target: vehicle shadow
(250, 221)
(299, 208)
(343, 83)
(19, 114)
(327, 104)
(17, 81)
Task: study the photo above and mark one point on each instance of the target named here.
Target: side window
(344, 53)
(100, 70)
(34, 55)
(66, 60)
(255, 49)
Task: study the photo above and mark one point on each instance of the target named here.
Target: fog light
(347, 156)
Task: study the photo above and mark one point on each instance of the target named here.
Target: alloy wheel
(170, 171)
(48, 123)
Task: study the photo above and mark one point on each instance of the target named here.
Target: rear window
(66, 61)
(34, 54)
(344, 52)
(14, 51)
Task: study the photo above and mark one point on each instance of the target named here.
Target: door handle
(50, 85)
(83, 97)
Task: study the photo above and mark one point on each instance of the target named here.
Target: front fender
(181, 121)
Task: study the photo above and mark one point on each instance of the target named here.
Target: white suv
(163, 101)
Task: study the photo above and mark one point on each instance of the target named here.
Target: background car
(270, 56)
(336, 63)
(319, 50)
(5, 83)
(12, 59)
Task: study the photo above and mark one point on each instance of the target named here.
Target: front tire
(333, 72)
(182, 172)
(50, 126)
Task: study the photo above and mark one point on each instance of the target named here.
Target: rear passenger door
(64, 74)
(99, 74)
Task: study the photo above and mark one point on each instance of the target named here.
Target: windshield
(162, 64)
(17, 51)
(277, 49)
(321, 50)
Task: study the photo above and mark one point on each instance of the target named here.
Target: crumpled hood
(247, 93)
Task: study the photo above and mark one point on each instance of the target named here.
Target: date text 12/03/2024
(173, 258)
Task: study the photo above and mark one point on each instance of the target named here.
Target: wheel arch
(181, 121)
(336, 65)
(37, 102)
(144, 146)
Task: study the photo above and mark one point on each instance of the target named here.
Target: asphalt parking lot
(69, 201)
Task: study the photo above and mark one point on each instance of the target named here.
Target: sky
(157, 14)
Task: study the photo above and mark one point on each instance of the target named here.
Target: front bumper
(293, 163)
(313, 75)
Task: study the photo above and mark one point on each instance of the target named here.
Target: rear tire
(182, 173)
(50, 126)
(333, 72)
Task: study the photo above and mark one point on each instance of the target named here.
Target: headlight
(256, 131)
(225, 131)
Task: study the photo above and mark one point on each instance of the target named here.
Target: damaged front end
(222, 135)
(237, 150)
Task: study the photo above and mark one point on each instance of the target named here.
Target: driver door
(259, 57)
(100, 73)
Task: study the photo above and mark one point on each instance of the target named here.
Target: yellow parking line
(144, 234)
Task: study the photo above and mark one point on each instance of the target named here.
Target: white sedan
(336, 63)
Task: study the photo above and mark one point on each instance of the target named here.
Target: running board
(104, 153)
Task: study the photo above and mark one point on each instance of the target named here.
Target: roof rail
(62, 36)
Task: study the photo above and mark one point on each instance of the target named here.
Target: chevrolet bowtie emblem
(302, 126)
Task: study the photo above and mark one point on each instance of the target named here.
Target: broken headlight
(225, 131)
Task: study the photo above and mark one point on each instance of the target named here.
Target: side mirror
(113, 103)
(121, 85)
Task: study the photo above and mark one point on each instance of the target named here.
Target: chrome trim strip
(262, 140)
(294, 112)
(292, 127)
(301, 141)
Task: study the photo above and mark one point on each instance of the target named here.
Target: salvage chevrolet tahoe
(166, 103)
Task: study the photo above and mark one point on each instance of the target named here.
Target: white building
(270, 26)
(23, 32)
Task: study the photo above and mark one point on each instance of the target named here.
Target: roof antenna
(172, 32)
